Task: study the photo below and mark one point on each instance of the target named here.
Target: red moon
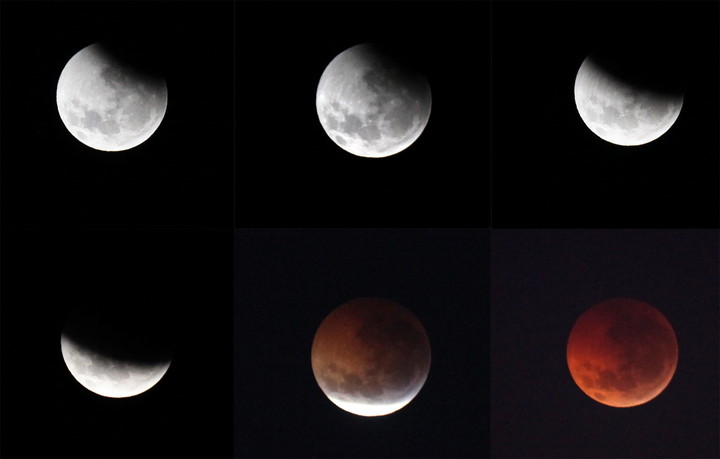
(622, 352)
(370, 356)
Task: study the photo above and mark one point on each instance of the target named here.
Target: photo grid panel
(397, 228)
(116, 212)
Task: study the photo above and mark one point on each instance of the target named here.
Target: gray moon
(111, 356)
(107, 104)
(622, 112)
(370, 356)
(371, 105)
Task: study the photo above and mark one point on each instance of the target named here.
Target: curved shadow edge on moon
(106, 105)
(107, 376)
(369, 105)
(622, 353)
(381, 388)
(371, 357)
(622, 113)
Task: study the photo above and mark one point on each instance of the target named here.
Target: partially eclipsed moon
(370, 105)
(107, 376)
(116, 353)
(371, 356)
(622, 352)
(107, 104)
(620, 109)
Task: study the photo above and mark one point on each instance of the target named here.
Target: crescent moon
(107, 376)
(621, 111)
(116, 351)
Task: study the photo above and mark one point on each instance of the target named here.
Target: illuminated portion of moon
(107, 376)
(622, 352)
(107, 104)
(116, 353)
(371, 356)
(622, 112)
(370, 104)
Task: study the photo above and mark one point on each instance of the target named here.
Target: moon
(371, 356)
(370, 104)
(107, 103)
(114, 353)
(622, 352)
(622, 106)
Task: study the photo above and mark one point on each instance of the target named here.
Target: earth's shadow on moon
(396, 351)
(622, 352)
(134, 332)
(137, 62)
(660, 73)
(372, 102)
(644, 344)
(371, 352)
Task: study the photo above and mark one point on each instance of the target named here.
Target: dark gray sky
(288, 281)
(542, 281)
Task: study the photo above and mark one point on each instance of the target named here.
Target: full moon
(621, 107)
(115, 353)
(622, 352)
(107, 103)
(370, 104)
(371, 356)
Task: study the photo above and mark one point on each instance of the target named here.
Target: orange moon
(370, 356)
(622, 352)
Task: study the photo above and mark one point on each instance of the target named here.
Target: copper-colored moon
(371, 356)
(622, 352)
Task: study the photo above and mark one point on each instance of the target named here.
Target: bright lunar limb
(107, 376)
(107, 104)
(622, 112)
(370, 356)
(116, 352)
(370, 105)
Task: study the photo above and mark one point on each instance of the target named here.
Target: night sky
(244, 225)
(181, 275)
(290, 173)
(287, 281)
(549, 169)
(181, 177)
(542, 281)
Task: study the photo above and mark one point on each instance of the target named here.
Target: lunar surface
(371, 356)
(622, 352)
(622, 109)
(107, 104)
(370, 104)
(114, 355)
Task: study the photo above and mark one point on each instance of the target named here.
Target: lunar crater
(117, 351)
(623, 112)
(370, 357)
(368, 106)
(624, 350)
(108, 105)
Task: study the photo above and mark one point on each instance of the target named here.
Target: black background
(288, 281)
(182, 274)
(182, 176)
(290, 173)
(549, 169)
